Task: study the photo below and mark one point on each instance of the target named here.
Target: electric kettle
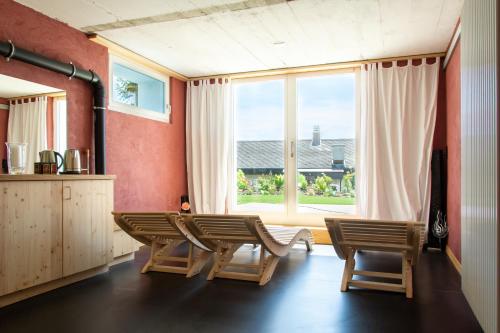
(72, 163)
(50, 156)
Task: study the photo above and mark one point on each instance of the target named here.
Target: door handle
(292, 149)
(67, 193)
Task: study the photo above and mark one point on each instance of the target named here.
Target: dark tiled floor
(303, 296)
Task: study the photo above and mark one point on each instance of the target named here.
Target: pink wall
(148, 157)
(453, 135)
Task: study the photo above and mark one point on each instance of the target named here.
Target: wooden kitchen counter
(54, 230)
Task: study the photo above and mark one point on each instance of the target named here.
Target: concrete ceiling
(11, 87)
(208, 37)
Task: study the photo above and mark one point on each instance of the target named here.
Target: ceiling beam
(183, 15)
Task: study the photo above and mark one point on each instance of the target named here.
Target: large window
(325, 144)
(295, 145)
(260, 145)
(138, 91)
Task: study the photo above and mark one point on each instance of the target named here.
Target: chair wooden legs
(149, 263)
(163, 253)
(348, 271)
(407, 277)
(406, 285)
(269, 268)
(223, 259)
(199, 262)
(158, 252)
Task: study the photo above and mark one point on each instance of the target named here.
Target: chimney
(316, 141)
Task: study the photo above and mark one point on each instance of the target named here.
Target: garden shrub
(242, 182)
(347, 181)
(279, 182)
(302, 182)
(322, 184)
(265, 185)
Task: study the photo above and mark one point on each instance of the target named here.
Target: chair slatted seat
(155, 230)
(351, 235)
(225, 234)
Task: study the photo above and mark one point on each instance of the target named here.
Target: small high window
(138, 91)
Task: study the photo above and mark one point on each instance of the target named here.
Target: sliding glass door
(260, 145)
(326, 144)
(295, 146)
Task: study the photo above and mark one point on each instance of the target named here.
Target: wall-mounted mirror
(36, 116)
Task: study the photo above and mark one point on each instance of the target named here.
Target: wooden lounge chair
(350, 235)
(224, 234)
(156, 231)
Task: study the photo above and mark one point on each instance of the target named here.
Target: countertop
(5, 177)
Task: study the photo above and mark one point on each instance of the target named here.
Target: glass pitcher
(16, 157)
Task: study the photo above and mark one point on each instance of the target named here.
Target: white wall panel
(479, 160)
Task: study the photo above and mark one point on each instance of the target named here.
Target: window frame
(134, 110)
(290, 215)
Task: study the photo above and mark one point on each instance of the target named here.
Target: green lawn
(303, 199)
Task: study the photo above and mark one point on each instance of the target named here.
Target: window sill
(137, 112)
(298, 219)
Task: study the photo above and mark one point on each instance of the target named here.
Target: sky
(327, 101)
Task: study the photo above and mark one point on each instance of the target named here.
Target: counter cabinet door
(87, 224)
(30, 234)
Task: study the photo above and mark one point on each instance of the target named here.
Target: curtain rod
(317, 68)
(54, 94)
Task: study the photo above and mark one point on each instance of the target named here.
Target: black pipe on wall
(10, 51)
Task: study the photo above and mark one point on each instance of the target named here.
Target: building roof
(270, 154)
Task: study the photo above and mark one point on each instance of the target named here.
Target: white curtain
(395, 133)
(60, 125)
(28, 124)
(208, 144)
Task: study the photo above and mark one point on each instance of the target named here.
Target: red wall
(148, 157)
(440, 129)
(453, 134)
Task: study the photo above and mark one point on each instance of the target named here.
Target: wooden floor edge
(122, 259)
(454, 260)
(43, 288)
